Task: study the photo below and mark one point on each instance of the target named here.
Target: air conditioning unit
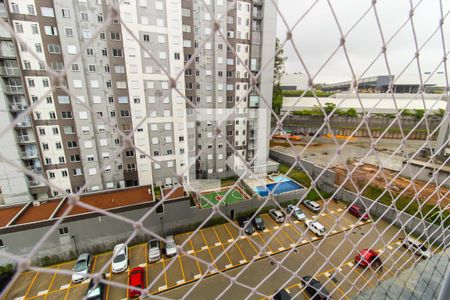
(149, 191)
(36, 203)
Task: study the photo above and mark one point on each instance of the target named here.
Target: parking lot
(209, 245)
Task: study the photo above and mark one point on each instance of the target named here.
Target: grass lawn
(295, 174)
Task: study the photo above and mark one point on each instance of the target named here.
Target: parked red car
(358, 212)
(136, 279)
(367, 257)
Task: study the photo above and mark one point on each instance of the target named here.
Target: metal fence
(284, 253)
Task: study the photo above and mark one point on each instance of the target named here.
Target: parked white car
(277, 215)
(154, 250)
(171, 247)
(120, 258)
(417, 247)
(317, 228)
(312, 205)
(81, 268)
(298, 214)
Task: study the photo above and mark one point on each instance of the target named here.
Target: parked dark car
(315, 289)
(5, 278)
(96, 291)
(245, 223)
(282, 295)
(258, 222)
(358, 212)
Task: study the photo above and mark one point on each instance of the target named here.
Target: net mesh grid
(24, 262)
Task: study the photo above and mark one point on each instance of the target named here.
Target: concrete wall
(425, 174)
(97, 233)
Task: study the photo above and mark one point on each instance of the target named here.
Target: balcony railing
(25, 139)
(18, 106)
(29, 154)
(7, 53)
(24, 124)
(9, 71)
(12, 89)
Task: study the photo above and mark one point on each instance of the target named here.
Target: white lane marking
(323, 214)
(197, 276)
(304, 241)
(19, 298)
(398, 243)
(63, 287)
(287, 290)
(255, 256)
(266, 230)
(269, 252)
(327, 274)
(242, 261)
(334, 231)
(180, 281)
(344, 228)
(276, 227)
(218, 244)
(243, 237)
(204, 247)
(109, 275)
(213, 272)
(360, 223)
(350, 264)
(287, 224)
(314, 238)
(161, 288)
(300, 285)
(42, 293)
(332, 211)
(281, 249)
(190, 251)
(339, 269)
(228, 266)
(339, 209)
(230, 240)
(254, 233)
(296, 222)
(389, 247)
(292, 245)
(86, 281)
(142, 265)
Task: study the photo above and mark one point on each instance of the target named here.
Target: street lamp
(162, 224)
(75, 242)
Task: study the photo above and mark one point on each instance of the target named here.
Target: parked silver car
(171, 247)
(312, 205)
(277, 215)
(81, 268)
(298, 214)
(154, 250)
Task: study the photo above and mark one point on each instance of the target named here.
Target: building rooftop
(32, 212)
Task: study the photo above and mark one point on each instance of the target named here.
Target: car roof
(83, 256)
(119, 247)
(412, 240)
(136, 276)
(318, 225)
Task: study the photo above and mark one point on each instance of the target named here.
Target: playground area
(222, 196)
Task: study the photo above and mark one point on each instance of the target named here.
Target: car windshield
(119, 258)
(153, 244)
(322, 229)
(170, 244)
(297, 210)
(258, 220)
(80, 266)
(94, 292)
(314, 204)
(423, 248)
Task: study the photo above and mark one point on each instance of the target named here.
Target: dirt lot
(363, 173)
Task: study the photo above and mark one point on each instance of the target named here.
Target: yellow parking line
(181, 267)
(146, 264)
(31, 284)
(206, 244)
(339, 289)
(223, 248)
(51, 283)
(281, 226)
(196, 260)
(164, 270)
(363, 276)
(110, 278)
(229, 232)
(93, 264)
(215, 232)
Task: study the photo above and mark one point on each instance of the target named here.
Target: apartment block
(113, 117)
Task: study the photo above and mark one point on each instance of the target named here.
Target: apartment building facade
(115, 118)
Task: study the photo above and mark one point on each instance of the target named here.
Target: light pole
(75, 242)
(162, 224)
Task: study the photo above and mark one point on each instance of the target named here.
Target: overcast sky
(317, 36)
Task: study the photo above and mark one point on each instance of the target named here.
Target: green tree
(329, 107)
(419, 113)
(440, 113)
(351, 112)
(277, 96)
(407, 112)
